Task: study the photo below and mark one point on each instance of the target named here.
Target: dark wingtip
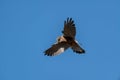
(67, 19)
(62, 31)
(80, 52)
(46, 53)
(70, 19)
(83, 51)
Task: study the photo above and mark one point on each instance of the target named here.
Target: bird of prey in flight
(67, 40)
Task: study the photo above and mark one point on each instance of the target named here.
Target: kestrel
(67, 40)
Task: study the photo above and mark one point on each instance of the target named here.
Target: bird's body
(67, 40)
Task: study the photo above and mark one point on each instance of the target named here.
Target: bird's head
(60, 39)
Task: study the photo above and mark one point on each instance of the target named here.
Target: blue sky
(28, 27)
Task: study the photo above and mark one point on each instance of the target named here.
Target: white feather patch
(59, 51)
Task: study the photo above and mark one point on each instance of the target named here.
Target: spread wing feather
(57, 49)
(76, 48)
(69, 28)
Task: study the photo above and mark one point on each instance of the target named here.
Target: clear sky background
(28, 27)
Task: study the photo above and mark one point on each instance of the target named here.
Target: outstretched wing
(57, 49)
(76, 48)
(69, 28)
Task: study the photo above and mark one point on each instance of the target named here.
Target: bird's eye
(58, 39)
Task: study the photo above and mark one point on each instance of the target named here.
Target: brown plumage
(67, 40)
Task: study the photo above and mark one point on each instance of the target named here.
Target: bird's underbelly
(72, 43)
